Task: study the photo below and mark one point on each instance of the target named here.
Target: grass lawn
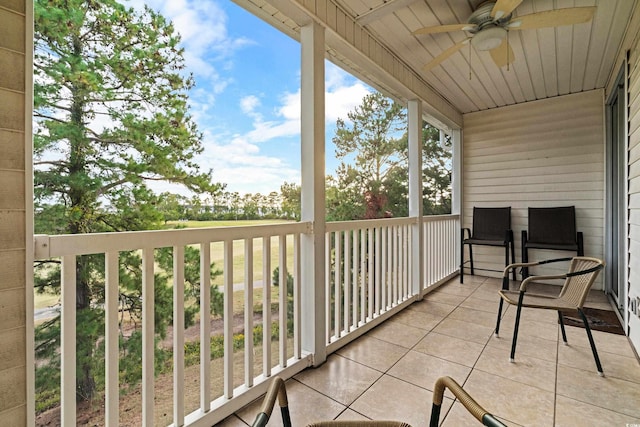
(217, 256)
(45, 300)
(217, 249)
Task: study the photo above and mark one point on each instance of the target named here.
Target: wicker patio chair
(463, 397)
(578, 280)
(551, 229)
(277, 390)
(491, 227)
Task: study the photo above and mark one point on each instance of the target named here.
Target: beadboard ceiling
(548, 62)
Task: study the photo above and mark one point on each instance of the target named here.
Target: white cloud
(204, 36)
(248, 104)
(343, 93)
(239, 159)
(241, 164)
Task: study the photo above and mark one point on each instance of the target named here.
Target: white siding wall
(634, 192)
(14, 376)
(538, 154)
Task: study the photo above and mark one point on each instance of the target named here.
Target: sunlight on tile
(511, 400)
(393, 399)
(450, 348)
(372, 352)
(612, 393)
(340, 378)
(431, 368)
(389, 372)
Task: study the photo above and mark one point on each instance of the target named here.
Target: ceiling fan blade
(445, 28)
(444, 55)
(503, 54)
(553, 18)
(504, 7)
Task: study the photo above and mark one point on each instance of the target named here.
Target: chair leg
(592, 343)
(286, 417)
(580, 241)
(524, 255)
(435, 415)
(499, 316)
(471, 258)
(506, 255)
(462, 261)
(561, 321)
(515, 328)
(513, 257)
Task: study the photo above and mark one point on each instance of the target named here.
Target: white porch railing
(368, 269)
(368, 265)
(441, 240)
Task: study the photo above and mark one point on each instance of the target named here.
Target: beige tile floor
(389, 372)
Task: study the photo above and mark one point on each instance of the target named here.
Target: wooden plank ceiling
(548, 62)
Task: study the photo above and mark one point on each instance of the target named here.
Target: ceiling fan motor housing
(482, 18)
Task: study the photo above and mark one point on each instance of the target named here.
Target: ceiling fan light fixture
(489, 38)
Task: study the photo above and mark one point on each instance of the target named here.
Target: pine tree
(111, 111)
(369, 144)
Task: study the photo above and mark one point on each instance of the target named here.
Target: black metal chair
(491, 227)
(578, 280)
(551, 228)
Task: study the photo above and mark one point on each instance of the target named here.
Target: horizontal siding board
(634, 153)
(634, 217)
(553, 148)
(12, 273)
(588, 160)
(549, 175)
(546, 169)
(12, 149)
(11, 110)
(12, 229)
(539, 154)
(12, 192)
(634, 188)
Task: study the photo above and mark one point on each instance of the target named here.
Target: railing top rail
(431, 218)
(96, 243)
(383, 222)
(368, 223)
(82, 244)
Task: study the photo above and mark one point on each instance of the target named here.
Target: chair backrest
(555, 226)
(491, 223)
(576, 288)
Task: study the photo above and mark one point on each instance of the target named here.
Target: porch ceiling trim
(354, 48)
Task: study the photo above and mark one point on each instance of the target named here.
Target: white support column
(456, 178)
(414, 116)
(313, 191)
(457, 206)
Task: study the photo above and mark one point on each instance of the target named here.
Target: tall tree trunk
(79, 207)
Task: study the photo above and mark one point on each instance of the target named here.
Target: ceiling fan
(490, 23)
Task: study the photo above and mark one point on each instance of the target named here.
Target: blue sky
(247, 95)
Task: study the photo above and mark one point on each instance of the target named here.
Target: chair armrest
(531, 264)
(278, 390)
(510, 267)
(525, 282)
(472, 406)
(468, 230)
